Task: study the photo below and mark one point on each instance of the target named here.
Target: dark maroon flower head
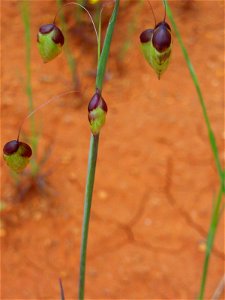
(146, 35)
(11, 147)
(46, 28)
(27, 151)
(97, 101)
(161, 39)
(57, 37)
(164, 24)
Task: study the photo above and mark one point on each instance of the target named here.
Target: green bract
(50, 41)
(156, 47)
(17, 155)
(97, 110)
(97, 120)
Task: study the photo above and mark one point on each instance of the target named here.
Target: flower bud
(17, 155)
(50, 41)
(146, 36)
(97, 110)
(156, 45)
(161, 39)
(146, 44)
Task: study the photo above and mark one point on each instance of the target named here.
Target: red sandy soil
(156, 176)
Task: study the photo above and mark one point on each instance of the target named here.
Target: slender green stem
(217, 208)
(69, 56)
(93, 151)
(131, 27)
(34, 140)
(99, 34)
(105, 51)
(200, 97)
(210, 241)
(77, 12)
(26, 21)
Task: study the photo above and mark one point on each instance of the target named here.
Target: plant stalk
(34, 140)
(93, 152)
(194, 77)
(210, 241)
(106, 46)
(69, 57)
(217, 207)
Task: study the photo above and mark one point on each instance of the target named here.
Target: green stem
(210, 241)
(93, 152)
(99, 34)
(34, 140)
(105, 51)
(200, 97)
(69, 56)
(217, 207)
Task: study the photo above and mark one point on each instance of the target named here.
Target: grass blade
(217, 207)
(93, 152)
(34, 139)
(105, 51)
(210, 241)
(200, 97)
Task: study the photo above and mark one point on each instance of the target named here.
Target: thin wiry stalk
(93, 152)
(194, 77)
(69, 57)
(34, 139)
(210, 241)
(217, 208)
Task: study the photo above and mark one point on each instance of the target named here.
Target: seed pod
(50, 41)
(156, 45)
(97, 110)
(17, 155)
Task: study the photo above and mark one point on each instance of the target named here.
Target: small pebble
(215, 83)
(47, 79)
(73, 176)
(8, 101)
(92, 272)
(63, 274)
(155, 201)
(202, 246)
(147, 222)
(219, 73)
(66, 159)
(24, 214)
(48, 243)
(103, 194)
(37, 216)
(2, 232)
(68, 119)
